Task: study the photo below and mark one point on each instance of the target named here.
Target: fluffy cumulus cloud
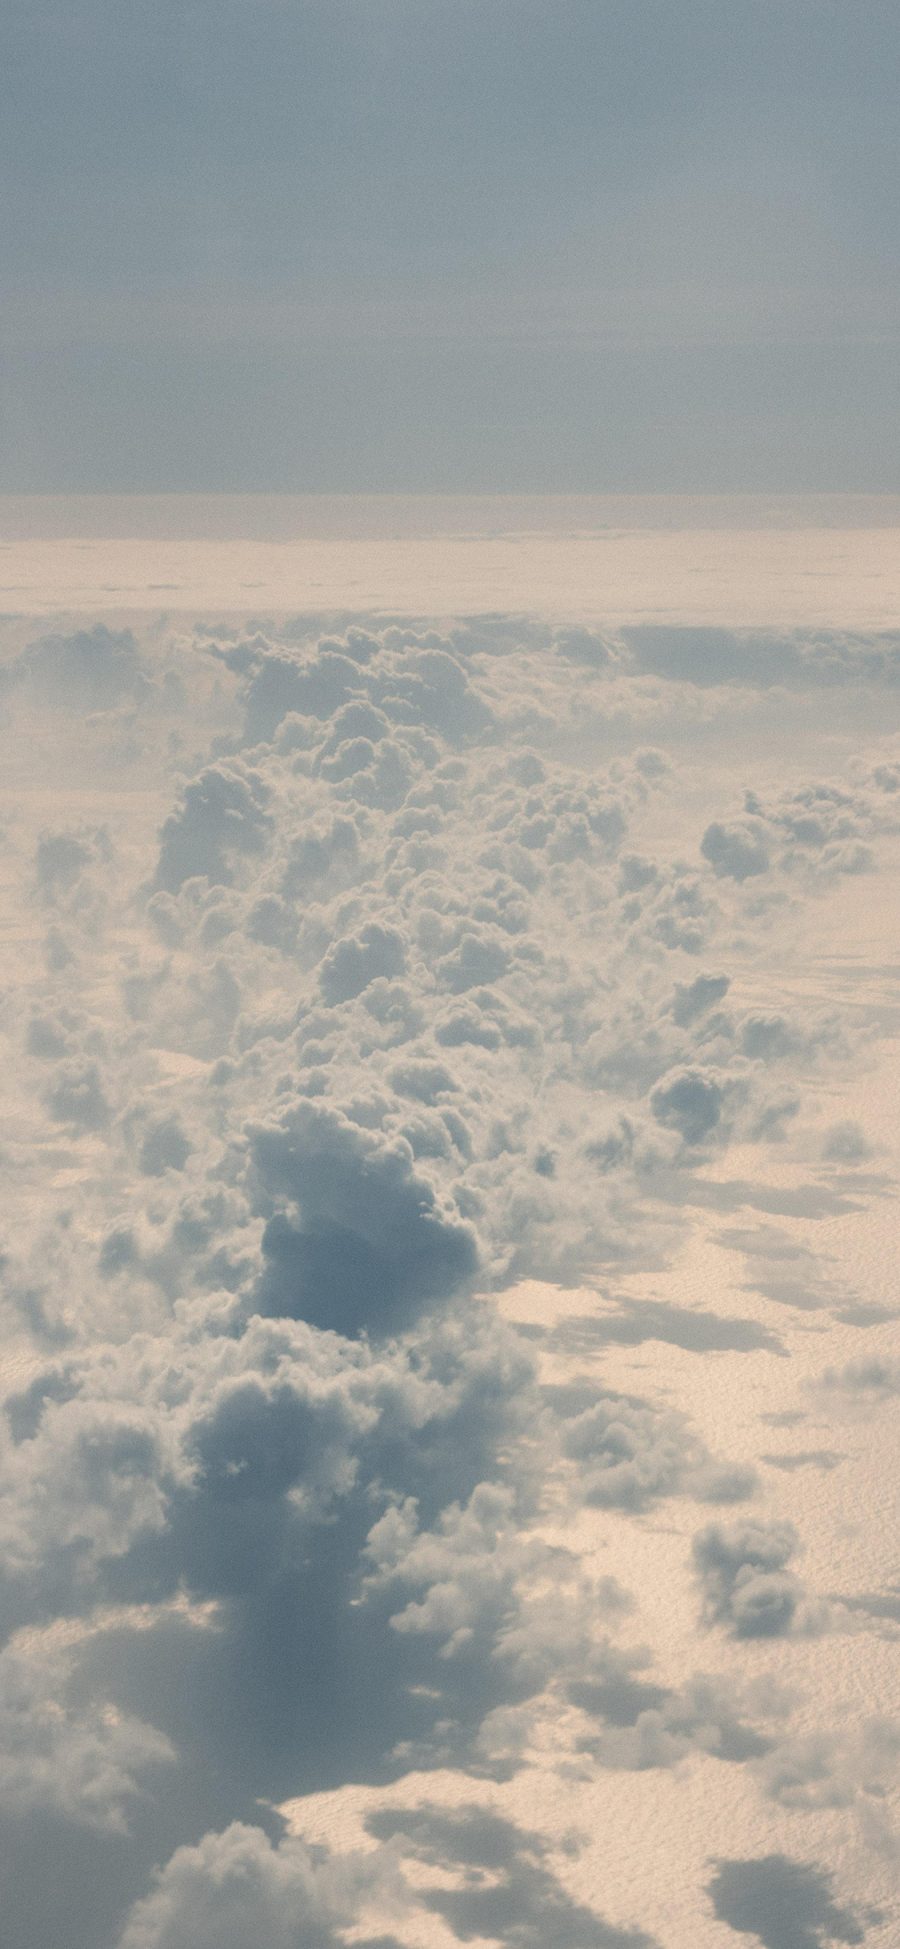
(820, 829)
(370, 1246)
(627, 1453)
(374, 977)
(93, 669)
(236, 1887)
(84, 1765)
(744, 1573)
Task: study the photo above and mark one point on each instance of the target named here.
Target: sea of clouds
(388, 1003)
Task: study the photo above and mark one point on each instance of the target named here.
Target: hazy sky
(450, 244)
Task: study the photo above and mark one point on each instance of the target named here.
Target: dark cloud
(68, 866)
(651, 1726)
(805, 1458)
(697, 1330)
(506, 1886)
(164, 1148)
(737, 851)
(791, 1292)
(689, 1102)
(864, 1313)
(342, 1641)
(77, 1096)
(853, 1766)
(694, 998)
(743, 1572)
(281, 684)
(814, 831)
(846, 1143)
(92, 670)
(628, 1454)
(235, 1888)
(785, 1904)
(369, 1246)
(60, 1756)
(222, 813)
(756, 659)
(586, 647)
(351, 964)
(351, 682)
(883, 1604)
(812, 1201)
(865, 1377)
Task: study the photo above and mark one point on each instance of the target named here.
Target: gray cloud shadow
(509, 1891)
(785, 1904)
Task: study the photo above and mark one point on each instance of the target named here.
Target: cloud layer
(400, 1001)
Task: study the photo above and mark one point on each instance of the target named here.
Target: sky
(450, 1029)
(442, 245)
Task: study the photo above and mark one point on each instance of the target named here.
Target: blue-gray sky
(450, 244)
